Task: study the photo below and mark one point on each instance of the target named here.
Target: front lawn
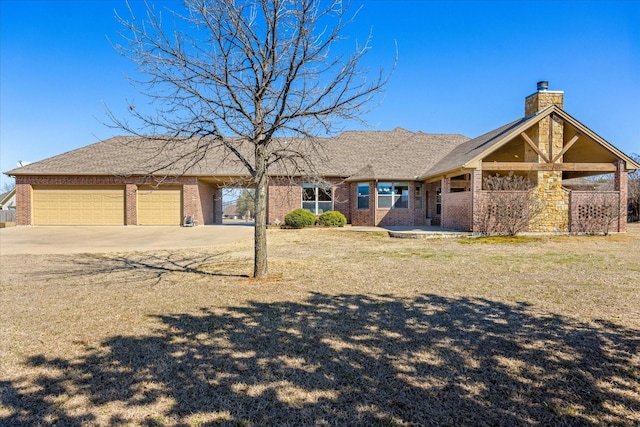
(353, 328)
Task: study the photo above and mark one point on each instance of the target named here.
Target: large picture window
(316, 199)
(363, 195)
(393, 195)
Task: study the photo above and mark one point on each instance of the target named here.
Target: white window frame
(395, 198)
(317, 210)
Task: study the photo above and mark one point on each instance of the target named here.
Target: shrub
(300, 218)
(332, 219)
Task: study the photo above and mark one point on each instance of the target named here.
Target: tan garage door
(159, 206)
(78, 205)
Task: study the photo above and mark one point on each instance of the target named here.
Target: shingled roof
(398, 154)
(465, 152)
(464, 155)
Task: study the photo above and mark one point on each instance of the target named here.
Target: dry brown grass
(352, 329)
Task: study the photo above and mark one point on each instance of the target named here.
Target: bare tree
(597, 212)
(241, 75)
(508, 205)
(8, 186)
(634, 192)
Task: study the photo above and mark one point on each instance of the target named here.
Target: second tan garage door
(78, 205)
(160, 206)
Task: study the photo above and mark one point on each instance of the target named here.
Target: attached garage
(78, 205)
(159, 206)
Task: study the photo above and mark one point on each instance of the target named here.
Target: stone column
(548, 135)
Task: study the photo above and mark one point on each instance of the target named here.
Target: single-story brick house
(377, 178)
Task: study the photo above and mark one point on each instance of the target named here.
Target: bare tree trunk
(260, 234)
(235, 78)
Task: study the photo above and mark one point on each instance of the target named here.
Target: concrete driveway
(80, 239)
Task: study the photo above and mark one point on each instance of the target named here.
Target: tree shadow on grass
(146, 266)
(348, 360)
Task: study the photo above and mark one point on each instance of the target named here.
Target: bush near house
(332, 219)
(300, 218)
(509, 206)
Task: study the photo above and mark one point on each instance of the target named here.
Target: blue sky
(464, 67)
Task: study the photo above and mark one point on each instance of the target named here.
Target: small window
(418, 196)
(393, 195)
(316, 199)
(438, 201)
(363, 195)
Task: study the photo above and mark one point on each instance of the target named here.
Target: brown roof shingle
(396, 154)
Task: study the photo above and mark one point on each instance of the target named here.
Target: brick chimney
(542, 99)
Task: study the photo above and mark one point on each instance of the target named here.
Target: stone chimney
(542, 99)
(548, 136)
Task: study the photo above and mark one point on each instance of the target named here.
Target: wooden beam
(566, 147)
(551, 123)
(533, 145)
(565, 167)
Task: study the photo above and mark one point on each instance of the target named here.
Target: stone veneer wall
(553, 215)
(542, 99)
(549, 137)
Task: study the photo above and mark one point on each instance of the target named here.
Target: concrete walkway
(414, 232)
(84, 239)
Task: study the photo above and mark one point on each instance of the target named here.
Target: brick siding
(621, 184)
(285, 195)
(388, 217)
(596, 211)
(362, 217)
(457, 211)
